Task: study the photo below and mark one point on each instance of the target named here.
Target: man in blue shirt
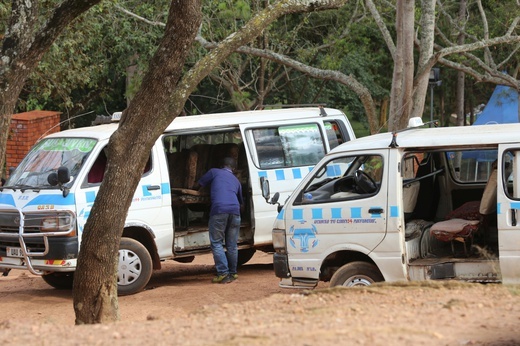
(224, 218)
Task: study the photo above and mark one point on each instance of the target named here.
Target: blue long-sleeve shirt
(225, 192)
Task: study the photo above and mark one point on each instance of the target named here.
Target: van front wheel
(61, 281)
(134, 268)
(356, 274)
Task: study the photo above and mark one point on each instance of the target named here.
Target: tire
(356, 274)
(61, 281)
(134, 268)
(245, 255)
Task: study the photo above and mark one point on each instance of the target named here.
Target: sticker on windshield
(84, 145)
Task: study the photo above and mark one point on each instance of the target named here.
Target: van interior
(189, 157)
(450, 204)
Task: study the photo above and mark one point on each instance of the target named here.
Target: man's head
(229, 162)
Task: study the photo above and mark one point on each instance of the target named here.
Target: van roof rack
(281, 106)
(276, 106)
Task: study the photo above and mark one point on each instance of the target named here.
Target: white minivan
(47, 199)
(421, 204)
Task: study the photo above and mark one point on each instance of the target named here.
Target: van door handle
(513, 217)
(375, 211)
(153, 187)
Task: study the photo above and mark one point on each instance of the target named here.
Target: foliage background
(95, 66)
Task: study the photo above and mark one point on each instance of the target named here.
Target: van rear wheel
(134, 268)
(245, 255)
(356, 274)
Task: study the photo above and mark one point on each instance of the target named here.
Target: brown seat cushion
(455, 228)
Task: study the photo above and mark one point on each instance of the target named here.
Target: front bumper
(281, 265)
(281, 270)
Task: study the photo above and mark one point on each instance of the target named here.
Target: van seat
(201, 161)
(177, 168)
(462, 223)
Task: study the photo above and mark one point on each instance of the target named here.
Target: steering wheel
(365, 183)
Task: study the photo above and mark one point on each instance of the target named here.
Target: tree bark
(95, 283)
(402, 81)
(425, 54)
(461, 77)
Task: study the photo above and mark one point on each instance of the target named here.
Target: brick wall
(26, 128)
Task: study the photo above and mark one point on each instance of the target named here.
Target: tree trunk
(460, 75)
(160, 99)
(425, 54)
(402, 80)
(95, 282)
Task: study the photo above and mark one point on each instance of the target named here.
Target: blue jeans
(223, 231)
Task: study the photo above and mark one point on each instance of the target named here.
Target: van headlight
(279, 240)
(59, 222)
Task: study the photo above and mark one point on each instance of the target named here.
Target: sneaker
(222, 279)
(233, 276)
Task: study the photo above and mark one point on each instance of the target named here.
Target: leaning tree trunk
(95, 282)
(155, 105)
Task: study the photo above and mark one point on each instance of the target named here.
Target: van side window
(471, 165)
(350, 177)
(288, 146)
(334, 133)
(97, 171)
(510, 166)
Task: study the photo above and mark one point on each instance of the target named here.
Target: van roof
(211, 121)
(440, 137)
(247, 117)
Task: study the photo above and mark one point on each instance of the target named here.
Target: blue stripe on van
(515, 205)
(355, 212)
(285, 174)
(317, 213)
(297, 173)
(6, 199)
(336, 213)
(53, 199)
(90, 196)
(165, 188)
(297, 214)
(280, 174)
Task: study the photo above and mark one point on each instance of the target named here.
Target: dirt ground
(182, 307)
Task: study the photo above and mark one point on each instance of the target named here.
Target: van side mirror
(275, 198)
(63, 175)
(264, 185)
(60, 178)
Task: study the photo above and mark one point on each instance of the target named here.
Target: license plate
(14, 252)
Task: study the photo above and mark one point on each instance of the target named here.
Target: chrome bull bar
(22, 236)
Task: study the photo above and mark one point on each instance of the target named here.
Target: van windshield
(47, 156)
